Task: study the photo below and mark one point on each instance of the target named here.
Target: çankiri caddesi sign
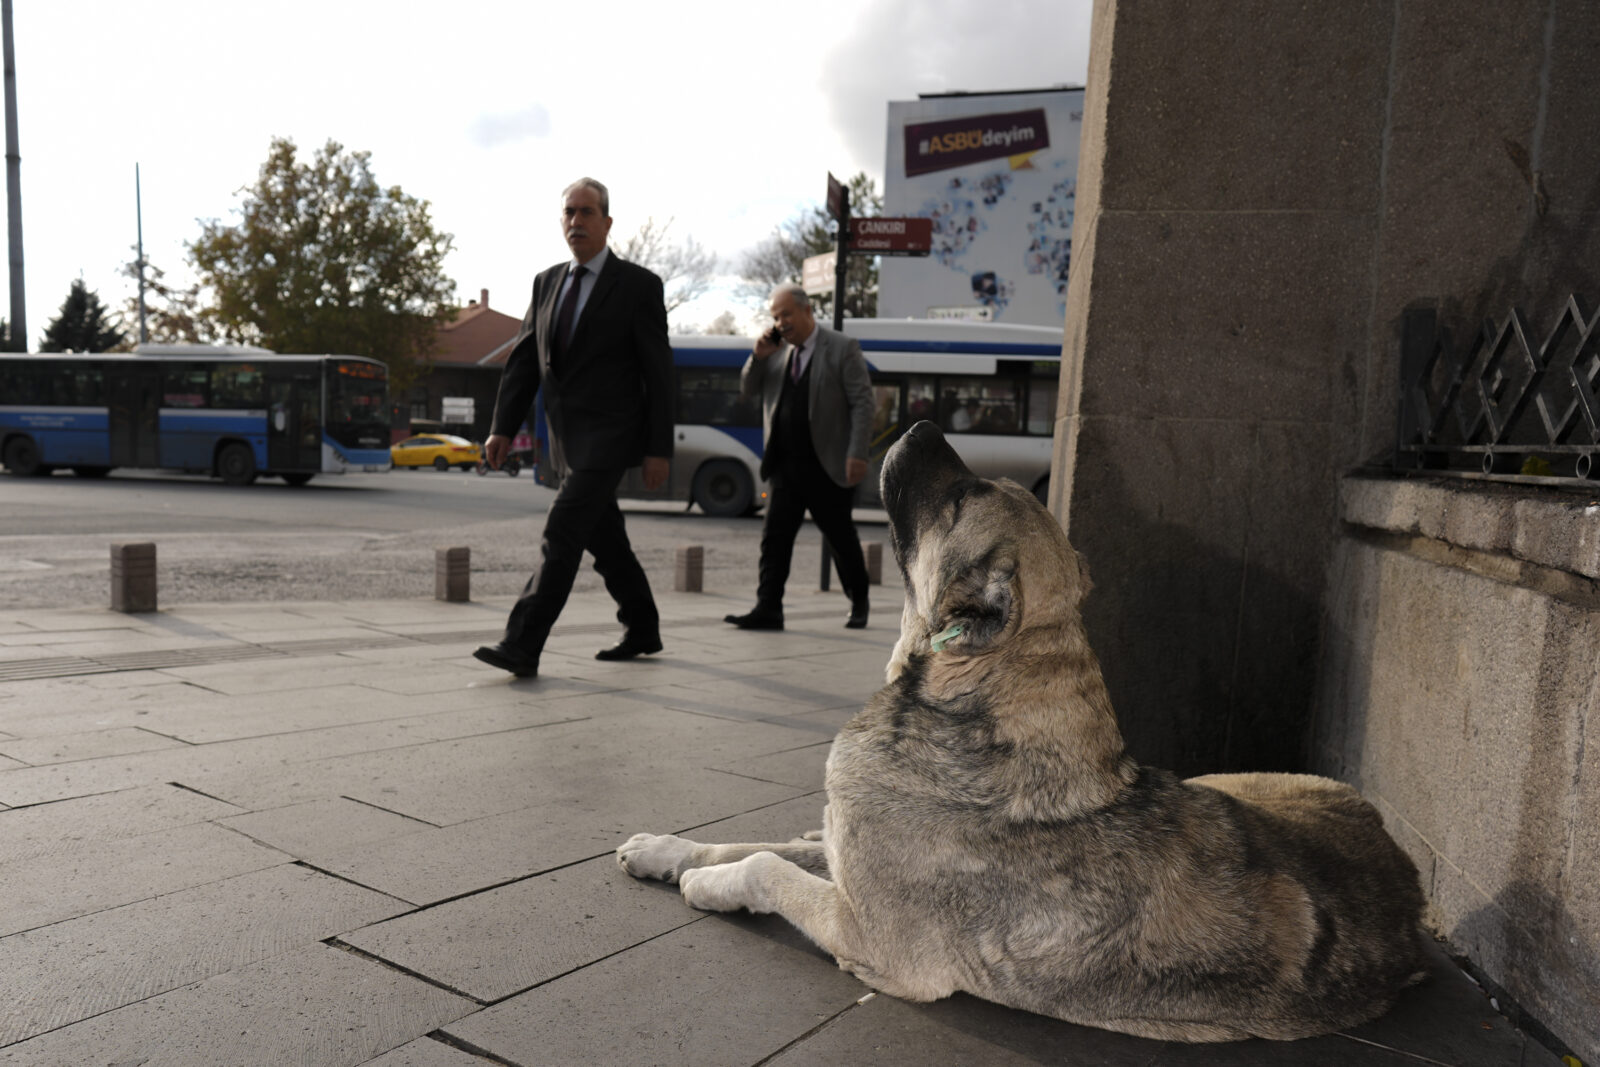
(891, 237)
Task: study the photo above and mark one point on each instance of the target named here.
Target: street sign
(838, 198)
(816, 273)
(456, 409)
(891, 237)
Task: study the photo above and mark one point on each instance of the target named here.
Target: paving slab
(105, 874)
(51, 829)
(323, 826)
(800, 767)
(315, 1005)
(436, 865)
(94, 744)
(496, 944)
(73, 970)
(426, 1052)
(194, 762)
(724, 992)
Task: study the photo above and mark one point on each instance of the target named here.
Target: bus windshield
(358, 401)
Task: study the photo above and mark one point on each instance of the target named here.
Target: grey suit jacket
(840, 398)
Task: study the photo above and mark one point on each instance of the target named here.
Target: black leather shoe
(630, 646)
(759, 619)
(858, 614)
(508, 658)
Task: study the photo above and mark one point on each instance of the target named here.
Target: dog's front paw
(731, 886)
(660, 856)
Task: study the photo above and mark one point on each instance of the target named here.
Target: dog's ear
(976, 605)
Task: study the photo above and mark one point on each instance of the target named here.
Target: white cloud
(491, 131)
(723, 115)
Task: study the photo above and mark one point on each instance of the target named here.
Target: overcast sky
(723, 114)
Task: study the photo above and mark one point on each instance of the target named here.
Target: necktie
(794, 365)
(569, 308)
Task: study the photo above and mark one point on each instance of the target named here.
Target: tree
(776, 260)
(325, 260)
(686, 270)
(84, 324)
(172, 315)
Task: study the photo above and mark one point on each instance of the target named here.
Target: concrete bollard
(873, 550)
(452, 574)
(133, 576)
(688, 576)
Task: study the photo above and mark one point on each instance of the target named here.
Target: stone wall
(1263, 189)
(1460, 691)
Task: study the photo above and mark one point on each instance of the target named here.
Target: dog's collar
(939, 640)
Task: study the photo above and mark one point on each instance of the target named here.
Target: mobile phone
(775, 335)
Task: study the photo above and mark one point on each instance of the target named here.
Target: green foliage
(84, 324)
(172, 315)
(777, 259)
(323, 259)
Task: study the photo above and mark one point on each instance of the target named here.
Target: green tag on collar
(939, 640)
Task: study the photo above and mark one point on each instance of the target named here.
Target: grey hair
(590, 183)
(801, 299)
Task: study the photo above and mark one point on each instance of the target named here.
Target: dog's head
(984, 563)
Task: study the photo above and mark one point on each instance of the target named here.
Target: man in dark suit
(595, 337)
(816, 404)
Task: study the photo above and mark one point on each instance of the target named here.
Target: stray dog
(986, 831)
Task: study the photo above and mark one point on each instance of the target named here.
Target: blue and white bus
(234, 413)
(991, 386)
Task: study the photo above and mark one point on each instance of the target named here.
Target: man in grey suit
(595, 340)
(816, 408)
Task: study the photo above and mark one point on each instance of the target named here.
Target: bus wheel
(297, 479)
(22, 457)
(722, 488)
(236, 464)
(91, 472)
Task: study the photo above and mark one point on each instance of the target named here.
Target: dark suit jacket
(610, 404)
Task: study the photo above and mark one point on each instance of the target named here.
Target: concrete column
(689, 570)
(452, 574)
(133, 576)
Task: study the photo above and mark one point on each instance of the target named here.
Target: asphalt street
(343, 537)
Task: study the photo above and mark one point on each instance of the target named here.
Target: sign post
(839, 208)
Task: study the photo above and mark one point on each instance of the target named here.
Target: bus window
(709, 396)
(80, 385)
(885, 415)
(980, 405)
(921, 394)
(237, 385)
(183, 386)
(1042, 405)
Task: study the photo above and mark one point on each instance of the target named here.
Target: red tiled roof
(480, 336)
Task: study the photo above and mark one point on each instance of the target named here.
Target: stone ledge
(1545, 527)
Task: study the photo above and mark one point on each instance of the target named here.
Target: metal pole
(840, 269)
(19, 310)
(138, 212)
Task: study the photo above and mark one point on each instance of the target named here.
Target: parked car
(441, 451)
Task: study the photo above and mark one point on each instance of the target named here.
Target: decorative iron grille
(1499, 406)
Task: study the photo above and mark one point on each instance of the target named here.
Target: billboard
(997, 173)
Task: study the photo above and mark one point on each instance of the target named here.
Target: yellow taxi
(441, 451)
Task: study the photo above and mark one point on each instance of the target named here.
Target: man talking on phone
(816, 413)
(595, 338)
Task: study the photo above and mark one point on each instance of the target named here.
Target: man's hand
(765, 346)
(496, 449)
(655, 472)
(854, 470)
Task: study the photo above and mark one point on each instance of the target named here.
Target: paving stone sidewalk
(323, 834)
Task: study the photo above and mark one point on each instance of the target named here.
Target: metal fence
(1499, 405)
